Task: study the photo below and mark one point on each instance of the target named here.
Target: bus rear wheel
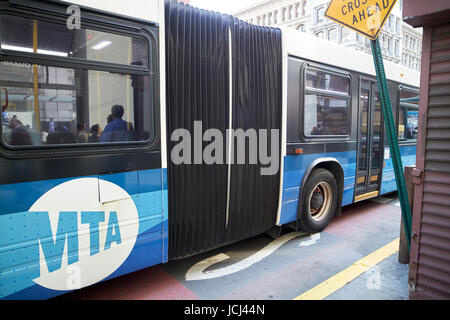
(320, 201)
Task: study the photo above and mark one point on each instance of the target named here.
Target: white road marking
(382, 200)
(313, 240)
(197, 271)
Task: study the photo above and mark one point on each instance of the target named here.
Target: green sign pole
(393, 139)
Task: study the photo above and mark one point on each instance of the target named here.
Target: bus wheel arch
(319, 185)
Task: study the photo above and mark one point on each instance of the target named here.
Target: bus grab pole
(393, 139)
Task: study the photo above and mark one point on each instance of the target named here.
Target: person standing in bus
(82, 135)
(20, 135)
(51, 126)
(96, 131)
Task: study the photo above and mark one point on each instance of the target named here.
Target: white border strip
(283, 123)
(162, 84)
(230, 124)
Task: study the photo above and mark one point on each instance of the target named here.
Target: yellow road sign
(364, 16)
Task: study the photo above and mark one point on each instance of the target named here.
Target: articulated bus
(99, 99)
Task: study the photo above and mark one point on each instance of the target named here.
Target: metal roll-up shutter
(430, 247)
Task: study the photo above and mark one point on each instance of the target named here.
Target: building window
(391, 23)
(326, 105)
(389, 46)
(291, 12)
(298, 9)
(320, 15)
(304, 7)
(333, 35)
(301, 27)
(398, 25)
(397, 48)
(383, 43)
(408, 116)
(347, 34)
(361, 39)
(98, 75)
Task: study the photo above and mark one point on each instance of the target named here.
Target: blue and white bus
(91, 94)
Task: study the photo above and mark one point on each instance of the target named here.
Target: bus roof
(312, 48)
(295, 43)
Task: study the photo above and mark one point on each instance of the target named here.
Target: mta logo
(67, 228)
(67, 232)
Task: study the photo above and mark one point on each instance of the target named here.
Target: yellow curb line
(336, 282)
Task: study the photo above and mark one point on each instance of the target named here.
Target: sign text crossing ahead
(364, 16)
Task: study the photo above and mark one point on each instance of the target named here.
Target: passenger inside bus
(95, 133)
(118, 129)
(82, 135)
(19, 133)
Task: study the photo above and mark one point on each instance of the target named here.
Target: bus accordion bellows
(119, 122)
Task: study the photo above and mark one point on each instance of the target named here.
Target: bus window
(408, 116)
(326, 104)
(52, 104)
(33, 36)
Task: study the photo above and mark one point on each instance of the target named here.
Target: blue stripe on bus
(294, 170)
(19, 233)
(388, 184)
(20, 287)
(21, 196)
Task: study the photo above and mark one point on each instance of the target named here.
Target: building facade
(400, 42)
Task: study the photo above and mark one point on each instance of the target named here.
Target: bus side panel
(83, 249)
(408, 154)
(294, 171)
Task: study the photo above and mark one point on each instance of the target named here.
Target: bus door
(370, 142)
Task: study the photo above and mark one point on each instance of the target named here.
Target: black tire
(316, 215)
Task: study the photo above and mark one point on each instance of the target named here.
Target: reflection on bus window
(325, 81)
(68, 106)
(408, 116)
(57, 40)
(326, 116)
(326, 104)
(58, 105)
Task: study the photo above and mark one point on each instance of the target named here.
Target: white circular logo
(90, 239)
